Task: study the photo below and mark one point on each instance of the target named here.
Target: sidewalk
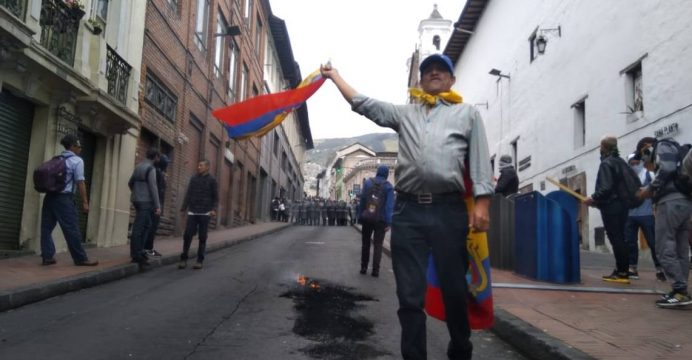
(593, 319)
(25, 281)
(590, 320)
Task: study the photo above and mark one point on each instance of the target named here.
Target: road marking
(315, 242)
(575, 288)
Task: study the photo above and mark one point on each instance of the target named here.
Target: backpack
(683, 176)
(374, 200)
(51, 176)
(629, 186)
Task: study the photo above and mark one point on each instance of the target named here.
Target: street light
(542, 41)
(498, 73)
(232, 30)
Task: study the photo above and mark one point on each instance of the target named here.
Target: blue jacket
(388, 192)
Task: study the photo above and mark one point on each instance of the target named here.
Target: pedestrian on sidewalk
(378, 186)
(160, 168)
(145, 199)
(437, 136)
(508, 183)
(200, 203)
(642, 218)
(613, 209)
(673, 211)
(59, 208)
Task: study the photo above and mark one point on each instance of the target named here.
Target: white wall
(599, 39)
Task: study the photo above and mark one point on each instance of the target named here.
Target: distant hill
(326, 148)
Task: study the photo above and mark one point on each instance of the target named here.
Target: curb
(531, 341)
(15, 298)
(526, 338)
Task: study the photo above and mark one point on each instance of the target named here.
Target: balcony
(118, 76)
(15, 7)
(59, 28)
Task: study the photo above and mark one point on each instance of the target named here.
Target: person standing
(508, 182)
(436, 136)
(59, 208)
(613, 209)
(200, 203)
(642, 218)
(673, 211)
(160, 168)
(145, 199)
(379, 227)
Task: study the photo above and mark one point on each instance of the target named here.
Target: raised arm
(346, 90)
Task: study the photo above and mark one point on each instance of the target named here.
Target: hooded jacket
(387, 190)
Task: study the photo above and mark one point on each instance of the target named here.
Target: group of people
(314, 211)
(148, 186)
(663, 216)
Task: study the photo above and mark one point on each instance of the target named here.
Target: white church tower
(433, 34)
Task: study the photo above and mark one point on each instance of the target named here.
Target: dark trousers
(648, 226)
(367, 237)
(144, 214)
(195, 224)
(60, 209)
(418, 229)
(151, 234)
(614, 224)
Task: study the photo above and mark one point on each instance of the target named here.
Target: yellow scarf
(425, 98)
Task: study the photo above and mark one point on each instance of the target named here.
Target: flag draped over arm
(480, 301)
(257, 115)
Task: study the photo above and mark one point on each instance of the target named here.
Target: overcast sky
(368, 41)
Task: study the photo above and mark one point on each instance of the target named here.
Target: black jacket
(608, 179)
(508, 183)
(202, 195)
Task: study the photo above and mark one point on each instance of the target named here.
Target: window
(276, 144)
(162, 99)
(247, 11)
(633, 89)
(515, 152)
(284, 161)
(201, 24)
(532, 45)
(174, 5)
(243, 82)
(579, 123)
(101, 9)
(218, 56)
(258, 37)
(232, 71)
(436, 42)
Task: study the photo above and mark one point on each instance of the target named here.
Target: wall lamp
(229, 31)
(497, 73)
(541, 41)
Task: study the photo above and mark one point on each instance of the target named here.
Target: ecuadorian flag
(258, 115)
(480, 301)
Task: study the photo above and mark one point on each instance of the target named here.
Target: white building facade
(607, 67)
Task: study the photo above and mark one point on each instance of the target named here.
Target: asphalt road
(247, 303)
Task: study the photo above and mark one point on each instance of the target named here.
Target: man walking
(642, 218)
(613, 209)
(200, 203)
(145, 199)
(59, 208)
(160, 168)
(673, 211)
(378, 186)
(436, 137)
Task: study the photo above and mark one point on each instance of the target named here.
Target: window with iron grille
(118, 75)
(201, 24)
(159, 97)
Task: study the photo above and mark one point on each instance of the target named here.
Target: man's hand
(327, 70)
(589, 201)
(480, 220)
(157, 211)
(85, 207)
(644, 193)
(213, 213)
(386, 228)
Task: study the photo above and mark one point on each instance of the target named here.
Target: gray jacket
(143, 184)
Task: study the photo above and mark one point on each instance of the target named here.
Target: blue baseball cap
(440, 58)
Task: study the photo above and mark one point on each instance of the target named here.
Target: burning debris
(325, 316)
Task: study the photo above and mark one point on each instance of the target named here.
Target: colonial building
(201, 55)
(551, 78)
(348, 169)
(68, 68)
